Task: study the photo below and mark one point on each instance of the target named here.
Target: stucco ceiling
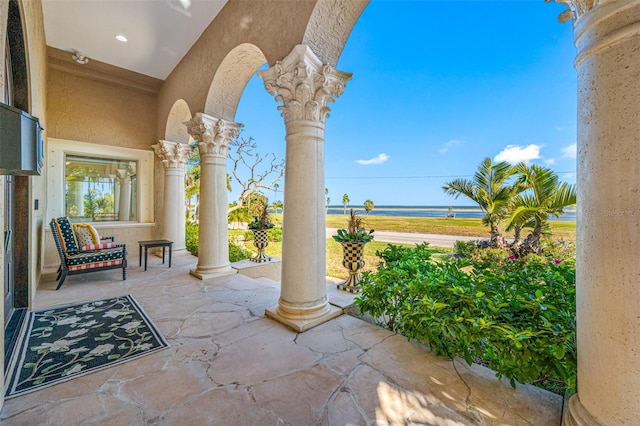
(159, 32)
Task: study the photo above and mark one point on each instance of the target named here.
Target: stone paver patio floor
(230, 365)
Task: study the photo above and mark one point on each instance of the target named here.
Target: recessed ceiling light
(121, 38)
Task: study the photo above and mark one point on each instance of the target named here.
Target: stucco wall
(87, 110)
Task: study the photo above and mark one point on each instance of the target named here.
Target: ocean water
(432, 211)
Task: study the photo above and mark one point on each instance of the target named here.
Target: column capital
(123, 174)
(212, 134)
(173, 154)
(304, 85)
(577, 8)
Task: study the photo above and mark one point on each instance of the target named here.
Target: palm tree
(368, 206)
(345, 202)
(489, 189)
(543, 196)
(277, 205)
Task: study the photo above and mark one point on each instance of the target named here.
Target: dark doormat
(60, 344)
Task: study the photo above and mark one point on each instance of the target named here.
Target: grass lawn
(334, 255)
(561, 229)
(565, 230)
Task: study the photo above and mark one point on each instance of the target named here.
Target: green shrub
(275, 234)
(517, 316)
(464, 248)
(191, 231)
(236, 253)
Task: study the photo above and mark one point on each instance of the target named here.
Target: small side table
(150, 244)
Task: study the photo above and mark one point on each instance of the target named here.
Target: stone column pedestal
(213, 136)
(608, 209)
(174, 157)
(304, 85)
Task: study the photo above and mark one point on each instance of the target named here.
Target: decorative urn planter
(353, 239)
(260, 241)
(353, 260)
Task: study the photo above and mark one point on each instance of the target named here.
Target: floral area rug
(60, 344)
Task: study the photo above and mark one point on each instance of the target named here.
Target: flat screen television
(21, 146)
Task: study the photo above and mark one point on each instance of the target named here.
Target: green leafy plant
(355, 231)
(263, 219)
(517, 317)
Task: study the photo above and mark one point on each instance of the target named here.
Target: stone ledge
(271, 270)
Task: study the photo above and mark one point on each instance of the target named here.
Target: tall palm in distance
(345, 202)
(490, 189)
(540, 195)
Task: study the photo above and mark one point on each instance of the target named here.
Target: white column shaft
(608, 226)
(304, 241)
(124, 208)
(174, 199)
(213, 249)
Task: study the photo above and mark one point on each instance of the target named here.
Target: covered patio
(229, 364)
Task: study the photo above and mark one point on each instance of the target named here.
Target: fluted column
(607, 37)
(174, 157)
(213, 136)
(304, 85)
(124, 206)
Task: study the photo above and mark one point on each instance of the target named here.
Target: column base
(304, 320)
(206, 273)
(577, 415)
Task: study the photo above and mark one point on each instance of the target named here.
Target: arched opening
(230, 80)
(175, 130)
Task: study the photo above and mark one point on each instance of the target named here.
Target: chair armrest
(112, 239)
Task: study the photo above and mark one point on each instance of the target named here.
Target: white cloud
(515, 153)
(550, 161)
(570, 151)
(448, 145)
(379, 159)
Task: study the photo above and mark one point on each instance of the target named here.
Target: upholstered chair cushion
(66, 236)
(86, 234)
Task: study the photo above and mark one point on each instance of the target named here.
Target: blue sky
(437, 87)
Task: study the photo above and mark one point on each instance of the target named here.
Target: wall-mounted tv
(21, 146)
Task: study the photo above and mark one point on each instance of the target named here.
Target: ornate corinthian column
(607, 37)
(304, 85)
(213, 136)
(174, 157)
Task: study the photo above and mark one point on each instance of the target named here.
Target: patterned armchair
(80, 259)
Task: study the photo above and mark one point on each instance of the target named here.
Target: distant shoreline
(462, 212)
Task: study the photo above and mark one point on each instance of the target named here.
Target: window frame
(58, 149)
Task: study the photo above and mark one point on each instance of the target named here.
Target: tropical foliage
(261, 218)
(522, 195)
(516, 316)
(542, 195)
(489, 188)
(355, 231)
